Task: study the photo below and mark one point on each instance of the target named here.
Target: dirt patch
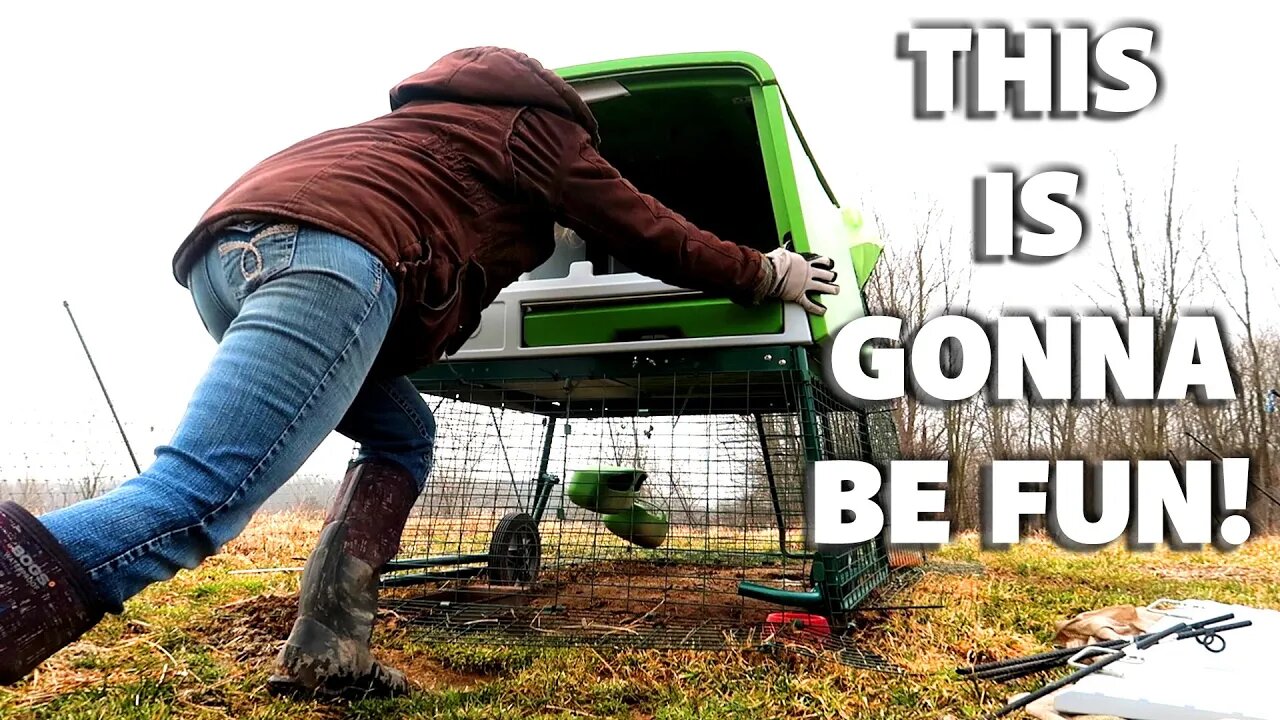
(251, 629)
(617, 595)
(428, 673)
(663, 593)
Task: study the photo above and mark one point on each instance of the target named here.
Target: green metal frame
(842, 579)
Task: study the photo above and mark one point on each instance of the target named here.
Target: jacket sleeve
(554, 161)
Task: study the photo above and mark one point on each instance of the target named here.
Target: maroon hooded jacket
(457, 191)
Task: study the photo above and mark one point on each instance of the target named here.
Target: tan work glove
(791, 277)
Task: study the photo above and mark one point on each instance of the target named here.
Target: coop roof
(753, 64)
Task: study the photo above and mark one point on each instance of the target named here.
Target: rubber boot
(46, 599)
(328, 651)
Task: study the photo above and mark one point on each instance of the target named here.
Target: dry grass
(200, 646)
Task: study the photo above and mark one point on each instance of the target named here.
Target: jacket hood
(495, 76)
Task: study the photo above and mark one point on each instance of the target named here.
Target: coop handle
(794, 598)
(1077, 661)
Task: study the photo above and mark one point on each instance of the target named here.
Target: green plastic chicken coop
(619, 458)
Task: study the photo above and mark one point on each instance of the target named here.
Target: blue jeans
(299, 315)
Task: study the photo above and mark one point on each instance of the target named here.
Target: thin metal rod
(420, 578)
(1255, 485)
(773, 486)
(1017, 672)
(1066, 652)
(515, 487)
(435, 561)
(102, 385)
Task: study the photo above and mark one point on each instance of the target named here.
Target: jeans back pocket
(253, 252)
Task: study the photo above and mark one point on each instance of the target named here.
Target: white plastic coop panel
(1181, 680)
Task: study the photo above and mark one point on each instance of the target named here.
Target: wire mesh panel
(653, 500)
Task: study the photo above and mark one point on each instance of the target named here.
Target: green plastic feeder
(642, 524)
(605, 489)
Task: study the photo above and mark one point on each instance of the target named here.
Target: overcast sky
(123, 121)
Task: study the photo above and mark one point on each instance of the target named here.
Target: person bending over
(326, 273)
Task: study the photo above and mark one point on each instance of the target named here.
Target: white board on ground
(1181, 680)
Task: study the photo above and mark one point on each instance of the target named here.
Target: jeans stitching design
(250, 248)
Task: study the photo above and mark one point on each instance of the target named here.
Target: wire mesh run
(650, 501)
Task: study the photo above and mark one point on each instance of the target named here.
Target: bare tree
(1238, 295)
(1157, 264)
(1152, 274)
(913, 282)
(90, 484)
(907, 285)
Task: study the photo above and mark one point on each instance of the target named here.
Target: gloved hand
(791, 277)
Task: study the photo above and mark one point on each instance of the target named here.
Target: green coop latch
(864, 249)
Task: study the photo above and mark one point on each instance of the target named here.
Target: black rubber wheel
(515, 552)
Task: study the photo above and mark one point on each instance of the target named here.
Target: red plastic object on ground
(816, 624)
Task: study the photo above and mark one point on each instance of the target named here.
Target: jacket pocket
(431, 292)
(472, 287)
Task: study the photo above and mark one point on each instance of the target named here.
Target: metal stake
(110, 406)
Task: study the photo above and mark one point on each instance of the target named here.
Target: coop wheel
(515, 551)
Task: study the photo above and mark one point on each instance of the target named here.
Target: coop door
(811, 219)
(691, 140)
